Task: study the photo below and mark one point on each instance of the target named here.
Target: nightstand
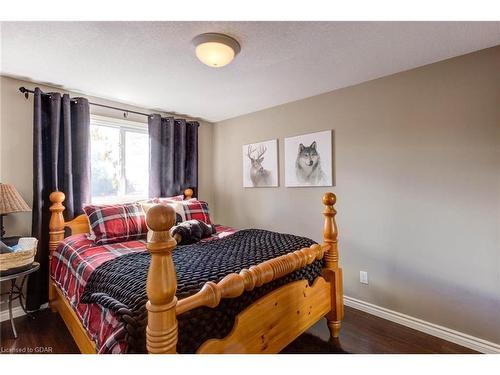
(16, 291)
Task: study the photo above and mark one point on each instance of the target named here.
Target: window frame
(123, 125)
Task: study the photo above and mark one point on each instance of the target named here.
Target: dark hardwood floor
(361, 333)
(43, 329)
(364, 333)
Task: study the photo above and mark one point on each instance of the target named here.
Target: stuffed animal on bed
(191, 231)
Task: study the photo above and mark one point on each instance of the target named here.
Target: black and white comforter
(120, 284)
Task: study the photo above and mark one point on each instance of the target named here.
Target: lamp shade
(216, 50)
(11, 201)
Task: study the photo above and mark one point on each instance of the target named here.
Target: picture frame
(309, 160)
(260, 164)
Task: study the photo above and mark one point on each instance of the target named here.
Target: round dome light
(216, 50)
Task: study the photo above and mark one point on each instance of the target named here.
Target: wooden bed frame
(266, 326)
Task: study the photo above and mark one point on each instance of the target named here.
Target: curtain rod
(26, 93)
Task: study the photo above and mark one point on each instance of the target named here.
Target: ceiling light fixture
(216, 50)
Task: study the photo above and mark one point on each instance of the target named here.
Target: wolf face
(308, 156)
(308, 165)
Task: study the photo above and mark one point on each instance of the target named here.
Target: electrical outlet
(363, 277)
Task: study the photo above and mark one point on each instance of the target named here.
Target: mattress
(73, 262)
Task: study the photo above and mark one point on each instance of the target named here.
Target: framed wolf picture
(308, 160)
(260, 164)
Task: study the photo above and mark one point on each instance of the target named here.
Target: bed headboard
(77, 225)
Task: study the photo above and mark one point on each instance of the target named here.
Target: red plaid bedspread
(72, 264)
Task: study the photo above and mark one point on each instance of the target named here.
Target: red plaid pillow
(198, 210)
(116, 223)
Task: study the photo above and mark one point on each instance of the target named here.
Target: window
(119, 160)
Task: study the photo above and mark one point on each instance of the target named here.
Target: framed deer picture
(260, 164)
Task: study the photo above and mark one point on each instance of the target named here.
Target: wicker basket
(22, 257)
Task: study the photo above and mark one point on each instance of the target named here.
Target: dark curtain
(173, 156)
(61, 161)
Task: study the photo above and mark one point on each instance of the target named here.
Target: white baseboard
(16, 312)
(444, 333)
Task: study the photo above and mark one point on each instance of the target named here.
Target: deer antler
(250, 151)
(262, 151)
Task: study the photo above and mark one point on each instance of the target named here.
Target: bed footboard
(332, 272)
(161, 333)
(161, 285)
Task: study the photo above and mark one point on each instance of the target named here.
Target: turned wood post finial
(332, 272)
(56, 232)
(161, 332)
(330, 231)
(56, 223)
(56, 208)
(57, 197)
(329, 199)
(160, 218)
(188, 193)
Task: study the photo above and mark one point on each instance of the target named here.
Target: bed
(289, 292)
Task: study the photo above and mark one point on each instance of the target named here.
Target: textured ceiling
(153, 65)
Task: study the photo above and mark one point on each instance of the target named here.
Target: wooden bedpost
(161, 332)
(56, 233)
(332, 272)
(188, 194)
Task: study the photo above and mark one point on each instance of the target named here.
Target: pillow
(150, 200)
(191, 209)
(196, 210)
(116, 223)
(175, 198)
(91, 234)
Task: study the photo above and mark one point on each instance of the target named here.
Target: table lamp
(10, 202)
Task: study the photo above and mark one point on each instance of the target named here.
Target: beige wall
(418, 184)
(16, 144)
